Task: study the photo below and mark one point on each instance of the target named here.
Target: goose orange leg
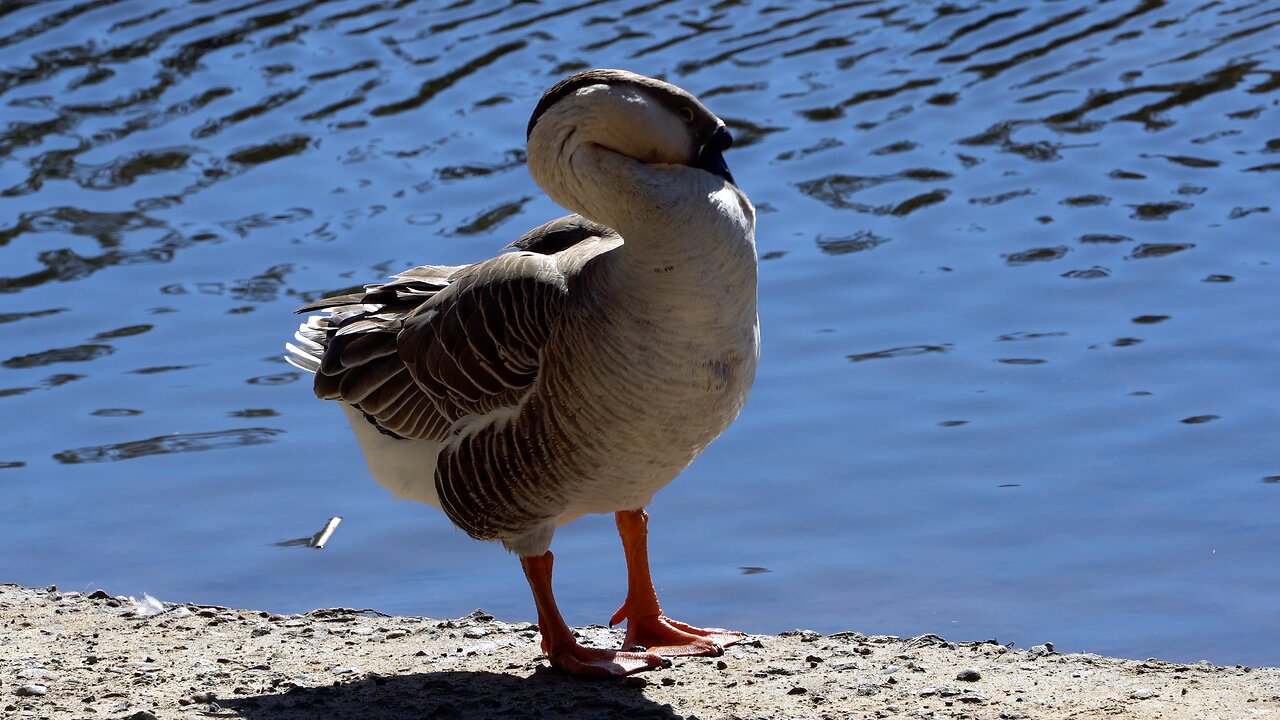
(646, 625)
(562, 649)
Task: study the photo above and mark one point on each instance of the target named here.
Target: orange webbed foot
(646, 625)
(562, 648)
(671, 638)
(577, 659)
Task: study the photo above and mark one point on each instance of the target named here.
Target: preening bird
(577, 372)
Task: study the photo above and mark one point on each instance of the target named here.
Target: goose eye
(686, 114)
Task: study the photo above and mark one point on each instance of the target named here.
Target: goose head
(638, 118)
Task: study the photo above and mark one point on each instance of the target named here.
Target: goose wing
(561, 234)
(439, 343)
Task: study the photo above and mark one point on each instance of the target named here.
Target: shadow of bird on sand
(463, 695)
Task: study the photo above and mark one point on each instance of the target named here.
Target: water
(1017, 295)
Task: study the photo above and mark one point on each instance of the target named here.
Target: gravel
(72, 655)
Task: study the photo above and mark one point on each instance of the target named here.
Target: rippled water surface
(1018, 295)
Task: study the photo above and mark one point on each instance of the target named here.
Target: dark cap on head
(673, 97)
(709, 134)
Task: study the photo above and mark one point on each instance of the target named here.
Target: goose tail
(377, 303)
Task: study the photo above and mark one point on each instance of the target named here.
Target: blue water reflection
(1016, 295)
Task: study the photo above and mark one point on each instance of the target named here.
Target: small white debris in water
(319, 539)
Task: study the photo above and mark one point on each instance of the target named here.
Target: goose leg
(646, 625)
(562, 649)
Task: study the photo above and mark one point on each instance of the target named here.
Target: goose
(577, 372)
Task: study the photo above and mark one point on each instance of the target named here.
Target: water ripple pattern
(1018, 279)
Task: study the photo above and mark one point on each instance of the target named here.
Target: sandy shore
(71, 655)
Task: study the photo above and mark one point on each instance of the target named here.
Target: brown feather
(438, 343)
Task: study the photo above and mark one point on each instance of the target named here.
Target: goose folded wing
(477, 346)
(417, 354)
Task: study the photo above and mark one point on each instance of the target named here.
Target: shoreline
(76, 655)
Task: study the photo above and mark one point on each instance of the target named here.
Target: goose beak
(711, 154)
